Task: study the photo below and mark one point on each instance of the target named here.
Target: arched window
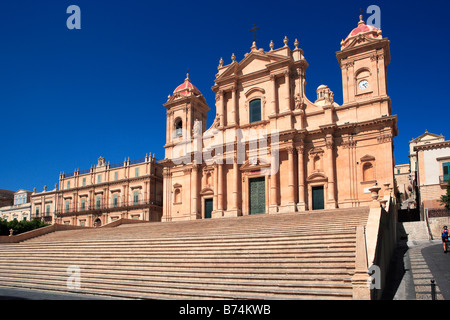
(368, 172)
(178, 128)
(255, 110)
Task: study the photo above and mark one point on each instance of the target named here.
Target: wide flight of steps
(284, 256)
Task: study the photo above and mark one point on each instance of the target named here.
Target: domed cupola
(186, 89)
(361, 34)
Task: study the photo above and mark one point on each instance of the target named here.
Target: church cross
(254, 31)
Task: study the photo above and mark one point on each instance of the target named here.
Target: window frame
(251, 108)
(178, 126)
(135, 197)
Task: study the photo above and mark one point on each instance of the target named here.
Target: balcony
(443, 180)
(98, 208)
(47, 218)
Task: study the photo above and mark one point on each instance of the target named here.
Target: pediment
(360, 39)
(22, 191)
(317, 176)
(206, 190)
(254, 164)
(427, 136)
(254, 61)
(368, 157)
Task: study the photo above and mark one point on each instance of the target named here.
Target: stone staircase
(284, 256)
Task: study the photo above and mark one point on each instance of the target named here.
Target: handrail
(360, 279)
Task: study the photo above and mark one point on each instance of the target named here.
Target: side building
(104, 193)
(430, 167)
(6, 197)
(404, 183)
(20, 209)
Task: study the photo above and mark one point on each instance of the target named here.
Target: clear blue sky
(70, 96)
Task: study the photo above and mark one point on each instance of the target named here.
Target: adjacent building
(404, 186)
(6, 197)
(20, 209)
(430, 168)
(271, 149)
(104, 193)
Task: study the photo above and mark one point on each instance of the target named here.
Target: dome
(186, 88)
(362, 29)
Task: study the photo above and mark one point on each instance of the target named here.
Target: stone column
(301, 205)
(236, 181)
(273, 82)
(233, 107)
(273, 207)
(220, 187)
(287, 91)
(216, 185)
(291, 186)
(331, 203)
(235, 211)
(221, 107)
(194, 193)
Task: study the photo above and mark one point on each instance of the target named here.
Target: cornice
(436, 145)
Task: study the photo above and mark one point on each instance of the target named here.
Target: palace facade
(104, 193)
(271, 149)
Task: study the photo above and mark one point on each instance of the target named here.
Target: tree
(445, 198)
(19, 226)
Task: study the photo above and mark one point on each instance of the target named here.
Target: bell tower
(363, 58)
(186, 113)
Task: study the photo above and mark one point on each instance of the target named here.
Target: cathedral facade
(271, 149)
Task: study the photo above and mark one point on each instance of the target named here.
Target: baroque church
(271, 149)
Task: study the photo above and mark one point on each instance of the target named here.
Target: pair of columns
(219, 185)
(221, 107)
(287, 93)
(301, 204)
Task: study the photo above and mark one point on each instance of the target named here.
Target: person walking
(444, 236)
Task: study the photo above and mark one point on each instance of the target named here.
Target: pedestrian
(444, 236)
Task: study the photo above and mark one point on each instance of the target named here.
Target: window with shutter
(255, 110)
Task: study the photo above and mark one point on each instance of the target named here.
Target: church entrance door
(98, 222)
(257, 194)
(318, 198)
(208, 208)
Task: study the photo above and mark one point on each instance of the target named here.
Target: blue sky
(70, 96)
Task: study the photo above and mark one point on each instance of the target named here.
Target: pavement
(414, 266)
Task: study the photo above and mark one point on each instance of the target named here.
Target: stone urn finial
(374, 192)
(383, 203)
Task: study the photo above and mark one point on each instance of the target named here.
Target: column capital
(300, 148)
(290, 150)
(329, 141)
